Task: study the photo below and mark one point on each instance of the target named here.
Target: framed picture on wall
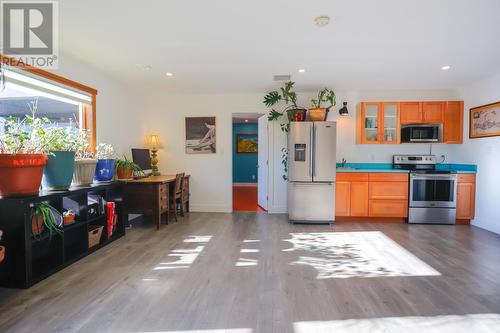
(485, 121)
(200, 135)
(247, 143)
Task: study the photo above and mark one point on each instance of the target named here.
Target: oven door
(433, 190)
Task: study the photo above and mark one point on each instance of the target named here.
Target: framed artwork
(200, 135)
(247, 143)
(485, 121)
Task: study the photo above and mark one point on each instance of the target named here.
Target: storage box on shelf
(31, 258)
(380, 122)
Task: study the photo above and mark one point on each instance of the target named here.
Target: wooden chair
(176, 196)
(185, 196)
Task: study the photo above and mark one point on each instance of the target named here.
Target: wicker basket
(95, 232)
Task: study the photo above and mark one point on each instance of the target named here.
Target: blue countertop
(387, 167)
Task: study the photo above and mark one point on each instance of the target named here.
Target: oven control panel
(414, 159)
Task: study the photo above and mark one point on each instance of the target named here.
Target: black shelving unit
(30, 259)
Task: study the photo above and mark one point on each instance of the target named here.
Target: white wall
(485, 152)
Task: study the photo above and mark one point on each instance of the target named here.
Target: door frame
(230, 159)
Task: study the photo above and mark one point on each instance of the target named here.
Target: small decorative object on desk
(68, 217)
(125, 169)
(105, 168)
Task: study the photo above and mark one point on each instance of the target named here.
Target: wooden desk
(150, 196)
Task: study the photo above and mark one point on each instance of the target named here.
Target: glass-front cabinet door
(390, 126)
(370, 123)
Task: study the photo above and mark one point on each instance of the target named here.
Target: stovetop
(434, 171)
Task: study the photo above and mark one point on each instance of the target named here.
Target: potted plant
(318, 113)
(125, 169)
(68, 217)
(22, 156)
(85, 163)
(2, 248)
(62, 144)
(44, 216)
(105, 169)
(289, 97)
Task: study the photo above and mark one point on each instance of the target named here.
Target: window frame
(89, 112)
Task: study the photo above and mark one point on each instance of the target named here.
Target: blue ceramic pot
(104, 170)
(58, 172)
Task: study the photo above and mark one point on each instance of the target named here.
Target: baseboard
(206, 208)
(245, 184)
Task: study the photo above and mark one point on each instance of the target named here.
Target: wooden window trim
(89, 116)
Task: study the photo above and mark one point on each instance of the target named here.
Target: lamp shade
(154, 142)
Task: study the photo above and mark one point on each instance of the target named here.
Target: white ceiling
(237, 46)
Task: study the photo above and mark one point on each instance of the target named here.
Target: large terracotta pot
(124, 173)
(84, 172)
(318, 114)
(2, 253)
(291, 114)
(21, 174)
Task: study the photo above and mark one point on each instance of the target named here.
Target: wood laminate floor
(253, 272)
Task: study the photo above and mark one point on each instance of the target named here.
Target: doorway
(249, 168)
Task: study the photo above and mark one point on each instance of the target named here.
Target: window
(63, 102)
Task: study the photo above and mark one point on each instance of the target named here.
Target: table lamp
(154, 145)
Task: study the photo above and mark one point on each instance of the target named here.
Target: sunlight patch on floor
(185, 256)
(355, 254)
(226, 330)
(472, 323)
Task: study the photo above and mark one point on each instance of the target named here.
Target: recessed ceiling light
(246, 120)
(322, 20)
(169, 74)
(445, 68)
(143, 67)
(302, 70)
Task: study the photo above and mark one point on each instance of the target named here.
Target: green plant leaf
(272, 98)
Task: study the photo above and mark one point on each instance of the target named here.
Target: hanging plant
(44, 216)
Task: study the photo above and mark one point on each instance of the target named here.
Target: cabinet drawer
(388, 177)
(466, 178)
(352, 177)
(388, 208)
(388, 190)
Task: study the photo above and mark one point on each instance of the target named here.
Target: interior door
(262, 162)
(300, 151)
(324, 152)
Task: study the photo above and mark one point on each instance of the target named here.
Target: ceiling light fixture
(302, 70)
(169, 74)
(445, 68)
(246, 120)
(322, 20)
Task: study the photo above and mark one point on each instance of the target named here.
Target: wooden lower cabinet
(372, 195)
(466, 196)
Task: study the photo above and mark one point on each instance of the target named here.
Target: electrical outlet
(253, 177)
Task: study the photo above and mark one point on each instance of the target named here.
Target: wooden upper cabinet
(379, 123)
(432, 112)
(389, 128)
(454, 122)
(411, 112)
(369, 123)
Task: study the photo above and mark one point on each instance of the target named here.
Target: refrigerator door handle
(311, 151)
(314, 150)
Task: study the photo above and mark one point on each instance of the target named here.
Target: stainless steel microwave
(420, 133)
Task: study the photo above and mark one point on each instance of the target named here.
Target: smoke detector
(322, 20)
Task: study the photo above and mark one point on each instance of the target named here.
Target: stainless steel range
(433, 193)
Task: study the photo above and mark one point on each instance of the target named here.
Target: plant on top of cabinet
(318, 113)
(44, 216)
(125, 169)
(23, 154)
(105, 168)
(62, 143)
(289, 97)
(85, 163)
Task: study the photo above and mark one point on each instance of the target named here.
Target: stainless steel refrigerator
(311, 172)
